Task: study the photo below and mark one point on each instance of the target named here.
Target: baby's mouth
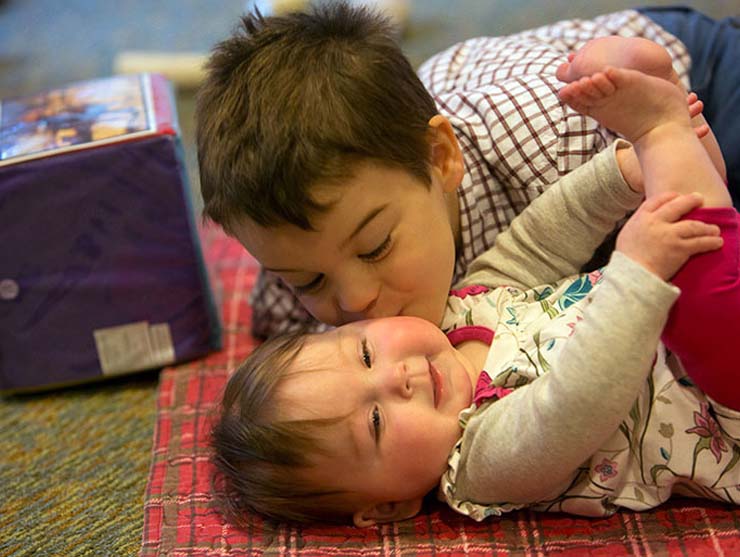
(436, 383)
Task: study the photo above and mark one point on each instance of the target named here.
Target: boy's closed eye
(372, 256)
(310, 287)
(379, 252)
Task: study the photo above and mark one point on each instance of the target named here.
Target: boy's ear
(447, 159)
(387, 512)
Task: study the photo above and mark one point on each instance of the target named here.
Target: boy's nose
(356, 299)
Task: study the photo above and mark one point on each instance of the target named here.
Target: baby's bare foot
(634, 53)
(627, 101)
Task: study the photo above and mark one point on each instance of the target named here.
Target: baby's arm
(600, 371)
(526, 447)
(559, 231)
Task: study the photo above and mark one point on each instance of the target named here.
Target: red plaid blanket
(181, 519)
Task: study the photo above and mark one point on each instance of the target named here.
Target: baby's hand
(657, 239)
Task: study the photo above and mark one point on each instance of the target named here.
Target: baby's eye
(366, 358)
(376, 423)
(379, 252)
(311, 287)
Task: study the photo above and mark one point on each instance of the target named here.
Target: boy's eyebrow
(363, 223)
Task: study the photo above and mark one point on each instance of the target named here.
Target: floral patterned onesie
(674, 438)
(579, 408)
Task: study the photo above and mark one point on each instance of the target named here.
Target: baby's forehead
(317, 388)
(331, 350)
(331, 413)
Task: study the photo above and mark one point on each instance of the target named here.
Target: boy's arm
(559, 231)
(525, 447)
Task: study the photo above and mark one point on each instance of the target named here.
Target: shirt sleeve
(559, 231)
(526, 447)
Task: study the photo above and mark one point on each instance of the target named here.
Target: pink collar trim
(470, 332)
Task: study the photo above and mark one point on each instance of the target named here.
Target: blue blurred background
(46, 43)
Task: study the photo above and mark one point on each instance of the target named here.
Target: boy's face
(398, 385)
(386, 247)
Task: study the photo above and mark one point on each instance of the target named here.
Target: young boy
(363, 195)
(574, 410)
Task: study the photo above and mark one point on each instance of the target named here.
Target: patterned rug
(180, 517)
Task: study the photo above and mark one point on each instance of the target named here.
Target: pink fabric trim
(484, 391)
(471, 290)
(471, 332)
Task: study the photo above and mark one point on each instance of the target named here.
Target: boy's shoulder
(488, 60)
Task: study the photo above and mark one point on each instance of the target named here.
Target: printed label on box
(133, 347)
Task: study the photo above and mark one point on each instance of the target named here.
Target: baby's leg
(632, 53)
(639, 54)
(703, 324)
(652, 114)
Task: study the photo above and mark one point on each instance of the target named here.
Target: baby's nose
(398, 380)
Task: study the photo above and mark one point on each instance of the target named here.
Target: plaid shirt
(516, 136)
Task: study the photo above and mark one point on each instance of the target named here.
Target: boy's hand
(657, 239)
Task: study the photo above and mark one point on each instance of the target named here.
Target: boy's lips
(436, 384)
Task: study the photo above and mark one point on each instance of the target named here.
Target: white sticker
(163, 351)
(133, 347)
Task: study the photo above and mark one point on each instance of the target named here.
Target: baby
(543, 391)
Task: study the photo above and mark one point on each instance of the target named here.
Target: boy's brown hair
(258, 457)
(298, 100)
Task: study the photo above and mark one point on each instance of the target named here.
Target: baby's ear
(387, 512)
(447, 159)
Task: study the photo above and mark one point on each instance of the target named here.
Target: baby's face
(398, 386)
(385, 248)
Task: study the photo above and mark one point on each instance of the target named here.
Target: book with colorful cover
(101, 271)
(78, 116)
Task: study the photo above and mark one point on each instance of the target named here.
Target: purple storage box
(101, 271)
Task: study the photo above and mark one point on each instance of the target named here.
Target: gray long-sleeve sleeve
(559, 231)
